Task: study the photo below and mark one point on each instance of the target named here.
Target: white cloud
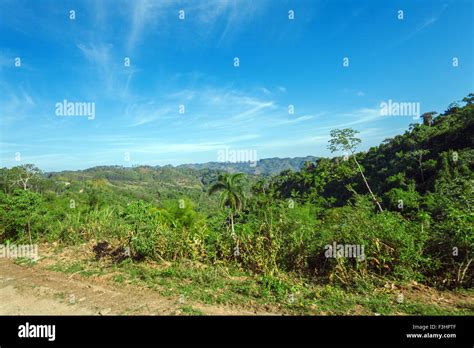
(295, 120)
(151, 15)
(100, 58)
(427, 22)
(96, 54)
(257, 108)
(266, 91)
(357, 117)
(143, 12)
(206, 107)
(148, 113)
(294, 142)
(16, 104)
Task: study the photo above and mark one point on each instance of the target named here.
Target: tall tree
(469, 100)
(346, 140)
(25, 176)
(231, 191)
(428, 117)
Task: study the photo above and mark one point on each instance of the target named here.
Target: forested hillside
(423, 178)
(266, 166)
(407, 204)
(122, 184)
(161, 183)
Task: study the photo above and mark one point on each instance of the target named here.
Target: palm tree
(232, 196)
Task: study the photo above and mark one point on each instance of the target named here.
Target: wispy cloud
(16, 103)
(236, 16)
(295, 120)
(256, 107)
(360, 116)
(149, 15)
(143, 12)
(111, 74)
(142, 114)
(293, 142)
(99, 57)
(6, 61)
(211, 107)
(96, 54)
(424, 24)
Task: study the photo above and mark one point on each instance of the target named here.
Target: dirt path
(37, 290)
(27, 290)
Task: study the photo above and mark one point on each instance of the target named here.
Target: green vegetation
(266, 166)
(408, 203)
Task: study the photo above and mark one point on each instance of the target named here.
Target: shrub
(143, 218)
(393, 247)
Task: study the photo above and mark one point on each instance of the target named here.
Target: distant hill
(154, 183)
(267, 166)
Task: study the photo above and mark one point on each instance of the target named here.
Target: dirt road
(28, 289)
(32, 290)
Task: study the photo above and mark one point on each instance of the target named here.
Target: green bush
(143, 219)
(393, 246)
(19, 214)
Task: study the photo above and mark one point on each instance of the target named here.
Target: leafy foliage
(281, 226)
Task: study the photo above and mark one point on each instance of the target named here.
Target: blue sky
(190, 62)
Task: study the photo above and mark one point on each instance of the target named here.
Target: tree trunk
(234, 237)
(232, 225)
(29, 232)
(421, 169)
(462, 272)
(367, 184)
